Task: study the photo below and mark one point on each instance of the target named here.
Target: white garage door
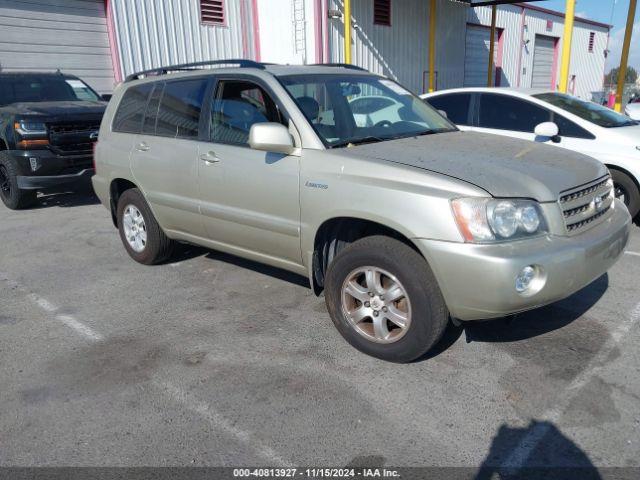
(543, 59)
(49, 34)
(476, 60)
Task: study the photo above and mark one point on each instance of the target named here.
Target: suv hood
(53, 110)
(502, 166)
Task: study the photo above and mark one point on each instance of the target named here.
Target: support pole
(432, 47)
(624, 62)
(567, 38)
(492, 41)
(347, 31)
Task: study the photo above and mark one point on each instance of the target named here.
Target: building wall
(401, 51)
(153, 33)
(587, 67)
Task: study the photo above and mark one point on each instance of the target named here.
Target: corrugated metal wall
(153, 33)
(587, 67)
(402, 50)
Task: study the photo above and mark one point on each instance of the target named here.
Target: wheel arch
(625, 171)
(117, 187)
(335, 233)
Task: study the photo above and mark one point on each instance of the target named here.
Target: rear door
(164, 160)
(510, 116)
(250, 198)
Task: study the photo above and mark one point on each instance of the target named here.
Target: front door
(249, 198)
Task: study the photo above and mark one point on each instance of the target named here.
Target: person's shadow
(538, 451)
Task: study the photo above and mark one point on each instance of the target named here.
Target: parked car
(48, 123)
(404, 224)
(555, 119)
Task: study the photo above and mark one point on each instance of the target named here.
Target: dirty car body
(497, 225)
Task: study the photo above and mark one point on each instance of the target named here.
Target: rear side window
(456, 106)
(130, 113)
(508, 113)
(180, 108)
(151, 114)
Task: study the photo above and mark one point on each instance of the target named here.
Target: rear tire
(140, 233)
(411, 291)
(626, 187)
(11, 195)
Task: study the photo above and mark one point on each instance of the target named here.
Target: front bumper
(41, 182)
(38, 169)
(478, 281)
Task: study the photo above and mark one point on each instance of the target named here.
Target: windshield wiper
(359, 141)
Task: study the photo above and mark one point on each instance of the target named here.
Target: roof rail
(343, 65)
(242, 63)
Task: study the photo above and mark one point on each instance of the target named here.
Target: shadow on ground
(538, 451)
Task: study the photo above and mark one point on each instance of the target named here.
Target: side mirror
(271, 137)
(443, 113)
(548, 130)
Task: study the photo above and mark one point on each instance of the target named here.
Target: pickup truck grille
(587, 206)
(72, 138)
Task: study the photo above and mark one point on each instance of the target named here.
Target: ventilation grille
(212, 11)
(382, 12)
(583, 207)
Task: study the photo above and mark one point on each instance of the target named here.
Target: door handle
(209, 158)
(142, 147)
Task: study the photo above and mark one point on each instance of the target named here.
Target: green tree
(612, 77)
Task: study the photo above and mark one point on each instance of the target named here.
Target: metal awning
(484, 3)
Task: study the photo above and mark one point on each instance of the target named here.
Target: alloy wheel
(621, 193)
(376, 304)
(135, 228)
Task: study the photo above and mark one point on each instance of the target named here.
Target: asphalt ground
(212, 360)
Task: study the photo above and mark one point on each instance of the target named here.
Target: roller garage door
(476, 59)
(49, 34)
(543, 62)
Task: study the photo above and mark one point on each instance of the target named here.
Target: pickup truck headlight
(488, 220)
(31, 129)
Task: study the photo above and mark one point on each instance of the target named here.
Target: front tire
(140, 233)
(11, 195)
(626, 190)
(384, 299)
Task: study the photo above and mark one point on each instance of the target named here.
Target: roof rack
(242, 63)
(343, 65)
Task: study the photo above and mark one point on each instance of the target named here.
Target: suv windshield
(43, 88)
(592, 112)
(353, 109)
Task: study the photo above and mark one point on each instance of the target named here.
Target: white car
(554, 118)
(633, 110)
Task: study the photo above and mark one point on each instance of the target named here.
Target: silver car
(402, 220)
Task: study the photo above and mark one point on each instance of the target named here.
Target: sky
(600, 10)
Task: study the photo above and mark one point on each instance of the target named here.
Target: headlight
(487, 220)
(30, 129)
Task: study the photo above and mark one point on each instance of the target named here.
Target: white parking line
(635, 254)
(219, 421)
(521, 453)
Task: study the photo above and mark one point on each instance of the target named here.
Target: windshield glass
(592, 112)
(355, 109)
(43, 88)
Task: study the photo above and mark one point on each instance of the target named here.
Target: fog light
(524, 279)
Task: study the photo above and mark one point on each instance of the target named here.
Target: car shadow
(76, 195)
(525, 325)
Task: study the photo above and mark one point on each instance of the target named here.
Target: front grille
(72, 138)
(74, 128)
(588, 205)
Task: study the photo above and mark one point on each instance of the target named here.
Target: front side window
(130, 113)
(569, 129)
(347, 109)
(180, 108)
(238, 105)
(456, 106)
(43, 88)
(592, 112)
(502, 112)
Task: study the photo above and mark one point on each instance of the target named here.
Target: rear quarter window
(130, 113)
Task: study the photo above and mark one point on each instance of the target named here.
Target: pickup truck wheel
(11, 195)
(627, 191)
(384, 299)
(141, 235)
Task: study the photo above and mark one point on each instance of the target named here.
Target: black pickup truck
(48, 124)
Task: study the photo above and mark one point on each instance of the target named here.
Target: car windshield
(592, 112)
(354, 109)
(43, 88)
